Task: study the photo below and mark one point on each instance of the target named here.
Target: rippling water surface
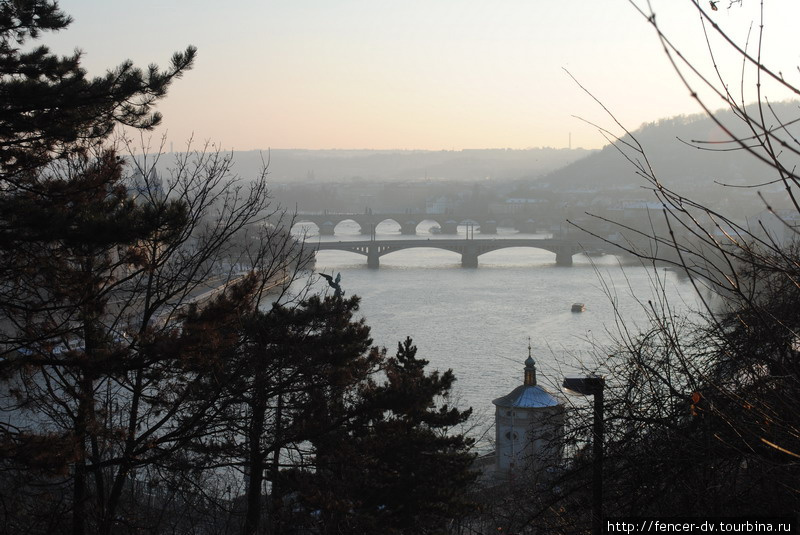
(477, 321)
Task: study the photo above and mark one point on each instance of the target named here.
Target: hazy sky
(427, 74)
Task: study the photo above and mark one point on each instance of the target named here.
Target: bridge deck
(443, 243)
(470, 249)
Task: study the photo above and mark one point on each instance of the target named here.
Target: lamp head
(586, 386)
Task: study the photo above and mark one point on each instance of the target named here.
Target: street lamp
(593, 386)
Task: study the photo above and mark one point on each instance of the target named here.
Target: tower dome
(530, 370)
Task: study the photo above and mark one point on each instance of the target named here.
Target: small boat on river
(578, 307)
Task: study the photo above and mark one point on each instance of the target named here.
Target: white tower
(529, 424)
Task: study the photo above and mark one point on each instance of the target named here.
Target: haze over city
(399, 268)
(449, 74)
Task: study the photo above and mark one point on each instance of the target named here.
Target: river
(477, 321)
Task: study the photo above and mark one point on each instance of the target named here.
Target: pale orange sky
(412, 74)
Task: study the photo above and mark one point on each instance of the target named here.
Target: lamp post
(593, 386)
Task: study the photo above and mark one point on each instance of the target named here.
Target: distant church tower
(529, 424)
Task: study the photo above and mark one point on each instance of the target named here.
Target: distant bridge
(408, 221)
(469, 249)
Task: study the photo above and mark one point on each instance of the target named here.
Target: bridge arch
(350, 253)
(439, 255)
(389, 220)
(425, 225)
(531, 252)
(563, 251)
(337, 228)
(303, 226)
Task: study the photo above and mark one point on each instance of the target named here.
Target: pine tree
(109, 324)
(400, 466)
(50, 108)
(291, 383)
(336, 427)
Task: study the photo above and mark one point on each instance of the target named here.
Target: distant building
(779, 226)
(441, 205)
(149, 186)
(634, 208)
(516, 206)
(529, 426)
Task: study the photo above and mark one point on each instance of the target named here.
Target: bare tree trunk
(275, 495)
(79, 494)
(256, 468)
(107, 524)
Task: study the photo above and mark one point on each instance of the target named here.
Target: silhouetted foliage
(50, 108)
(702, 409)
(119, 295)
(399, 467)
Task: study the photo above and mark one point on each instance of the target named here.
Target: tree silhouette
(702, 410)
(400, 466)
(121, 291)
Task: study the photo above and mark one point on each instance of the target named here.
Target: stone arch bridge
(326, 222)
(469, 249)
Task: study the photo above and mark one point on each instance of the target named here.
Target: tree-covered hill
(685, 152)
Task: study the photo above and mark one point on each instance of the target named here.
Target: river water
(477, 321)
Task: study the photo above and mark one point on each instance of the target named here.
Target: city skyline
(435, 76)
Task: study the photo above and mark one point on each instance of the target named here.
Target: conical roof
(527, 397)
